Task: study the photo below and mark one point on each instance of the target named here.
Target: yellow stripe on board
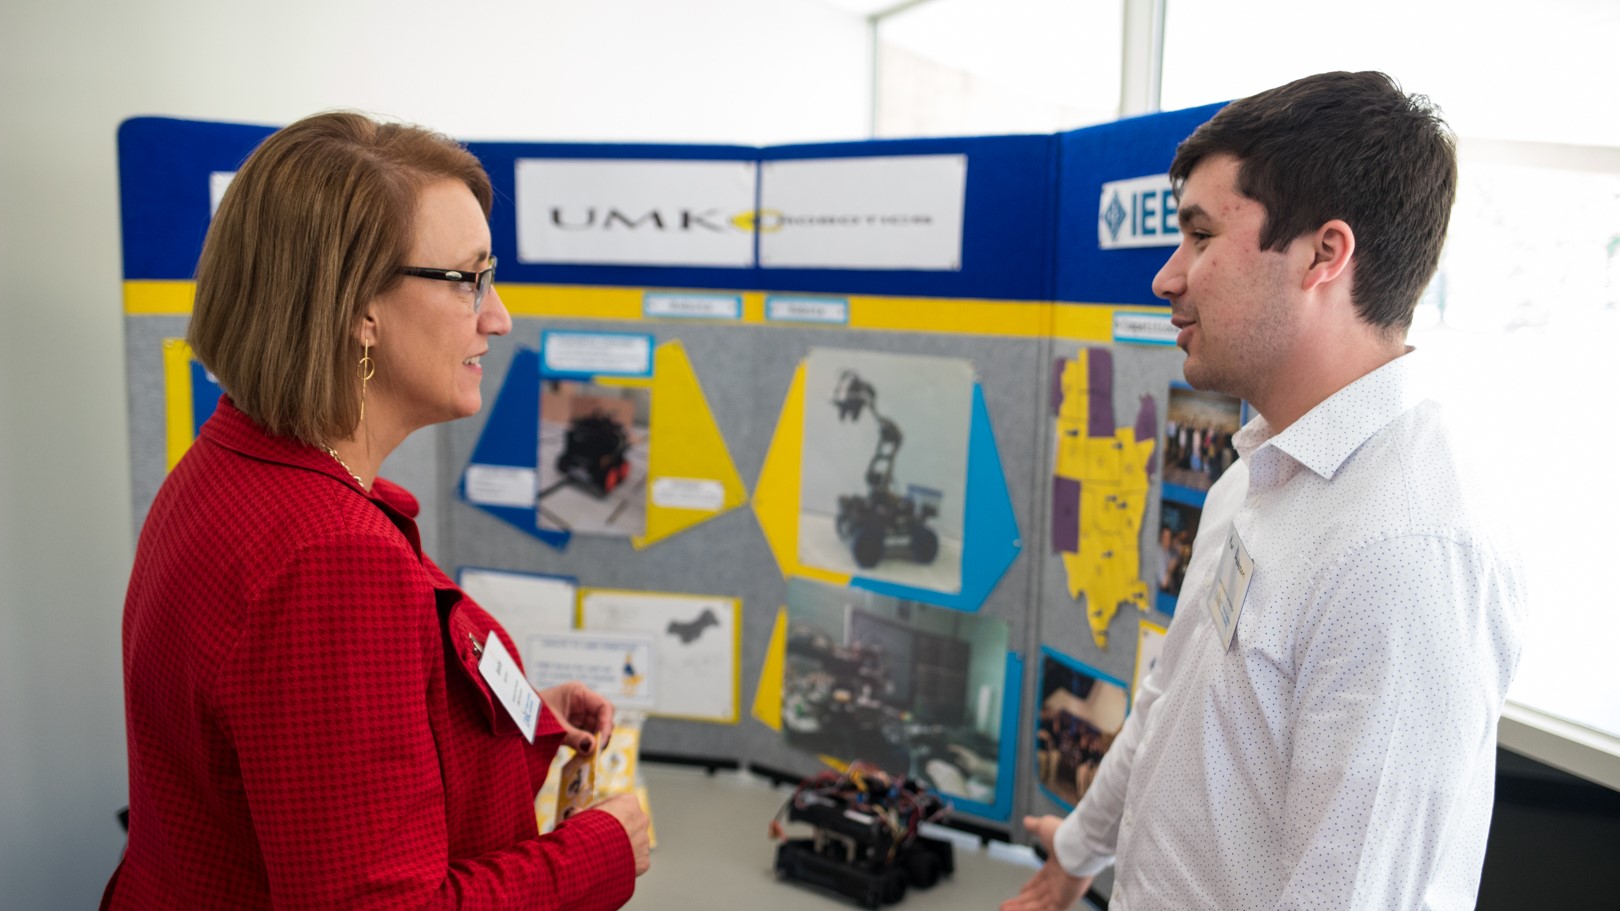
(949, 315)
(955, 316)
(158, 298)
(177, 415)
(736, 661)
(1091, 322)
(571, 301)
(753, 307)
(1024, 319)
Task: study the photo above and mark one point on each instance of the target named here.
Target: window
(982, 67)
(1521, 318)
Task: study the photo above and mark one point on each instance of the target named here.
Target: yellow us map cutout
(1099, 488)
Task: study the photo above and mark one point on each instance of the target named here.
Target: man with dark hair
(1320, 730)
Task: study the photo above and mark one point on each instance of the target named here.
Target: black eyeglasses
(476, 282)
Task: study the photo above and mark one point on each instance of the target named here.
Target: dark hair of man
(1351, 146)
(314, 226)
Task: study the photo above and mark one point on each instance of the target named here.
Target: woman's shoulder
(259, 514)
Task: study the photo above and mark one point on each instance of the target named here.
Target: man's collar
(1326, 435)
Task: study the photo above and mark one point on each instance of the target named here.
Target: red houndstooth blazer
(307, 725)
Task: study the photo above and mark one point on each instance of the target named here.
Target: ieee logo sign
(1140, 212)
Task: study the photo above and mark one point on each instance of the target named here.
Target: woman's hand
(583, 714)
(626, 808)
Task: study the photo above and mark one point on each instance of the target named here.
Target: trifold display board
(816, 453)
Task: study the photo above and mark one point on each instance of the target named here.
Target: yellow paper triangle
(768, 695)
(776, 494)
(686, 446)
(178, 433)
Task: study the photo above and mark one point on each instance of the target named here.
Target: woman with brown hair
(308, 723)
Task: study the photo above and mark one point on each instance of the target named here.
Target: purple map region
(1100, 386)
(1147, 428)
(1065, 516)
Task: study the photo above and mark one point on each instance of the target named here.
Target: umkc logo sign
(901, 212)
(610, 218)
(1140, 212)
(766, 221)
(635, 212)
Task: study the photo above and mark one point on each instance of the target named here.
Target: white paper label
(1144, 328)
(692, 306)
(499, 485)
(806, 309)
(597, 353)
(688, 493)
(217, 182)
(521, 603)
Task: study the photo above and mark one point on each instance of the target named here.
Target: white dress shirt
(1342, 752)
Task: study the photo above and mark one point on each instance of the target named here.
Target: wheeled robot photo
(882, 524)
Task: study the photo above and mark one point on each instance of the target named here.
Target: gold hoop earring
(368, 369)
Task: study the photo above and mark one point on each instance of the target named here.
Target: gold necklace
(333, 453)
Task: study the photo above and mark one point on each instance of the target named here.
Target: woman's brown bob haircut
(315, 225)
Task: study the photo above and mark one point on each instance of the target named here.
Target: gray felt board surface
(745, 371)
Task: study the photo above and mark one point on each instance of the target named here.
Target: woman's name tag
(507, 682)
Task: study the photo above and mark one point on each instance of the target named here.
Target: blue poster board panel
(165, 165)
(1091, 157)
(163, 187)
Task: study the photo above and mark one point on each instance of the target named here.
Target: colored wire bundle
(903, 804)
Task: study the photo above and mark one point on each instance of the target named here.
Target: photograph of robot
(884, 466)
(1081, 712)
(593, 458)
(914, 689)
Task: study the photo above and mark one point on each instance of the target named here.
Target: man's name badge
(508, 684)
(1231, 586)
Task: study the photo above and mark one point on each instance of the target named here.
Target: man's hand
(582, 713)
(627, 810)
(1052, 888)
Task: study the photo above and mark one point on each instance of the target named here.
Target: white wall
(745, 71)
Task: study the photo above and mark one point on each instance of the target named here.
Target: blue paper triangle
(511, 439)
(205, 393)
